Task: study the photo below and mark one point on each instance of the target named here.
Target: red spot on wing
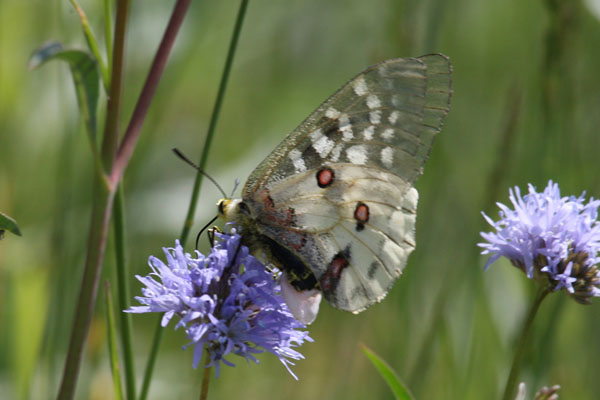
(361, 213)
(331, 277)
(325, 177)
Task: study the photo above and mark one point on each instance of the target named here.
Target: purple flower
(227, 302)
(551, 238)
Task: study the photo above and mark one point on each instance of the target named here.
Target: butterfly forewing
(337, 192)
(386, 116)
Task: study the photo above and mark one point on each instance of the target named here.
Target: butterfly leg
(211, 240)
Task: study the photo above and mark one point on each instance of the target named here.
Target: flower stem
(525, 331)
(108, 36)
(105, 187)
(190, 215)
(143, 104)
(112, 343)
(103, 195)
(101, 210)
(189, 219)
(113, 108)
(158, 333)
(206, 377)
(122, 273)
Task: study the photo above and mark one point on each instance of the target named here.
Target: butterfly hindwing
(336, 196)
(354, 234)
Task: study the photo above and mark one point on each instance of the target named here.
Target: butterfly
(333, 206)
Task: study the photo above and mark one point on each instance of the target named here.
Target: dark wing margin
(387, 116)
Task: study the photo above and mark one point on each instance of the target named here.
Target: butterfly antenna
(237, 182)
(203, 229)
(197, 168)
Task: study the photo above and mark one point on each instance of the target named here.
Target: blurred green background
(526, 108)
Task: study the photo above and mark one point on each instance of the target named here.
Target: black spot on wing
(372, 269)
(311, 157)
(331, 127)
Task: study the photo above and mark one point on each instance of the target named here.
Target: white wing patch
(360, 86)
(335, 153)
(350, 289)
(387, 156)
(332, 113)
(388, 134)
(368, 132)
(346, 127)
(357, 154)
(313, 213)
(321, 143)
(297, 160)
(373, 101)
(375, 117)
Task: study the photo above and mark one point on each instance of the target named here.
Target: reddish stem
(141, 108)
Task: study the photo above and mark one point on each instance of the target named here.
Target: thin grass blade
(401, 392)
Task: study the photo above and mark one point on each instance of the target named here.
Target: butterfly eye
(244, 208)
(221, 207)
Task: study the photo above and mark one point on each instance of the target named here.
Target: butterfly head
(234, 210)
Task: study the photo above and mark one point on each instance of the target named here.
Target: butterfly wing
(337, 192)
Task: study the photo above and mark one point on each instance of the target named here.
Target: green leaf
(92, 44)
(399, 389)
(8, 224)
(86, 77)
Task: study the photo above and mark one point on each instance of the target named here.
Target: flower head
(550, 238)
(227, 302)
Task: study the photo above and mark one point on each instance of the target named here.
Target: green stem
(158, 332)
(205, 377)
(112, 344)
(108, 36)
(113, 108)
(103, 196)
(189, 219)
(143, 104)
(105, 187)
(101, 210)
(123, 277)
(509, 390)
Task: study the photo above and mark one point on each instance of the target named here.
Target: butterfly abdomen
(298, 273)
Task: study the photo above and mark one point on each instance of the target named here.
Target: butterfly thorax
(267, 249)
